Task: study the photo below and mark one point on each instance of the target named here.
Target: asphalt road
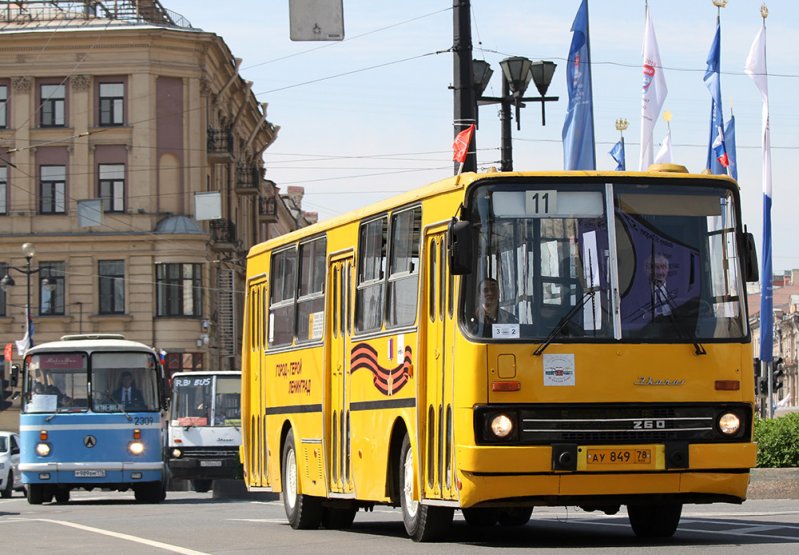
(192, 524)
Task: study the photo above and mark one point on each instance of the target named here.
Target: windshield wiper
(589, 294)
(699, 349)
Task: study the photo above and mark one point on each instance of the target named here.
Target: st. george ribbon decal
(387, 380)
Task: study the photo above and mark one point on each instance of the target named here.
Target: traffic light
(778, 374)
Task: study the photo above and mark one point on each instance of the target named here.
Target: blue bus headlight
(136, 447)
(42, 449)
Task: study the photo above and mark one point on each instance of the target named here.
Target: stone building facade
(122, 128)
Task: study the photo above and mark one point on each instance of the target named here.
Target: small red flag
(8, 352)
(461, 145)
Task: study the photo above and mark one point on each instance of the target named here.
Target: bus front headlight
(501, 426)
(42, 449)
(177, 453)
(136, 447)
(729, 423)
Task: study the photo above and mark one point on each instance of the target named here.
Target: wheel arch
(398, 432)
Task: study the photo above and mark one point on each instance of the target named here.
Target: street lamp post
(517, 72)
(28, 251)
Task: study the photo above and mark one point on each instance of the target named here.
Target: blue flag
(729, 143)
(578, 129)
(617, 152)
(717, 158)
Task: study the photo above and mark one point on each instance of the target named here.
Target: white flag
(756, 69)
(25, 343)
(664, 154)
(654, 92)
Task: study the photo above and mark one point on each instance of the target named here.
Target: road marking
(128, 537)
(269, 520)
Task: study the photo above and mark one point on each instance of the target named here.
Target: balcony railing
(220, 142)
(51, 12)
(223, 232)
(247, 179)
(267, 209)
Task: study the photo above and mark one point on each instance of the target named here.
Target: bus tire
(517, 516)
(303, 512)
(202, 486)
(423, 523)
(62, 495)
(480, 517)
(151, 492)
(37, 494)
(338, 518)
(654, 521)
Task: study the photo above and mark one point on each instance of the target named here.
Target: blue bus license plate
(90, 474)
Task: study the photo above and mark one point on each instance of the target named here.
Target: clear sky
(370, 116)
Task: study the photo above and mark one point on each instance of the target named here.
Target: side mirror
(750, 268)
(460, 247)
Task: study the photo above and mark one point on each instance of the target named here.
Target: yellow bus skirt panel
(482, 488)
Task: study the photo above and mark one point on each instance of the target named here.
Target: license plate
(210, 463)
(618, 456)
(90, 474)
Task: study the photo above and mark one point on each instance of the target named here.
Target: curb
(773, 483)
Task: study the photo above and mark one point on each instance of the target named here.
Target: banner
(717, 160)
(578, 129)
(654, 92)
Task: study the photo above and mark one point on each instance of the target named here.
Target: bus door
(435, 430)
(256, 465)
(339, 467)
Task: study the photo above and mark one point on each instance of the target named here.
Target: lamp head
(542, 75)
(28, 250)
(482, 75)
(517, 73)
(7, 282)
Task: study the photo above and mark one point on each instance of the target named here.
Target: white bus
(205, 427)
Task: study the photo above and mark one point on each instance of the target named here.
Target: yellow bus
(494, 342)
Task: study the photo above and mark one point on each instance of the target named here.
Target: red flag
(8, 352)
(461, 145)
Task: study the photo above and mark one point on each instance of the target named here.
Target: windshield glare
(548, 258)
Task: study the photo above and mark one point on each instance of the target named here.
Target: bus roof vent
(92, 336)
(668, 168)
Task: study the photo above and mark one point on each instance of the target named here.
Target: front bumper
(196, 468)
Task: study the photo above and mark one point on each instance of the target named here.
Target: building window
(3, 191)
(178, 289)
(51, 291)
(3, 106)
(112, 286)
(3, 272)
(53, 104)
(112, 186)
(53, 188)
(112, 104)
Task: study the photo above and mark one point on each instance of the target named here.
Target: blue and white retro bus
(92, 417)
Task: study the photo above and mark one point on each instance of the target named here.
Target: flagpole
(590, 76)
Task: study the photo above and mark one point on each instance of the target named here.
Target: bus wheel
(654, 521)
(480, 518)
(518, 516)
(38, 494)
(151, 492)
(201, 486)
(304, 512)
(62, 495)
(338, 518)
(423, 523)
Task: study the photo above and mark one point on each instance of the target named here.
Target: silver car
(9, 461)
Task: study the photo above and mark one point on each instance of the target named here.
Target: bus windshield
(548, 260)
(125, 382)
(206, 400)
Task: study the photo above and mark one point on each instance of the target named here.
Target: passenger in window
(488, 311)
(127, 394)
